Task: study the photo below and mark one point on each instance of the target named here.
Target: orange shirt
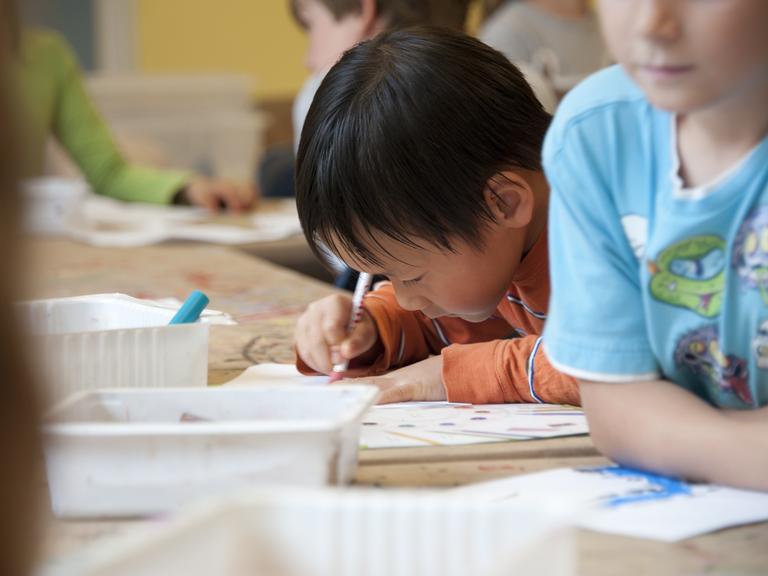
(492, 362)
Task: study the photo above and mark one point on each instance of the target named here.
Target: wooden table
(292, 252)
(266, 300)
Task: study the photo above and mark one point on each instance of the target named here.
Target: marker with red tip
(364, 281)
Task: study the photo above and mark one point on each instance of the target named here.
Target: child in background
(332, 27)
(420, 161)
(559, 39)
(659, 239)
(55, 101)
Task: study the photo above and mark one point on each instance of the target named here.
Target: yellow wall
(257, 37)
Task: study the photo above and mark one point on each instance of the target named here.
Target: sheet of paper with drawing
(413, 424)
(630, 502)
(447, 424)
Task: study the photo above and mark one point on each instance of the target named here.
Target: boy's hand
(321, 334)
(217, 194)
(420, 381)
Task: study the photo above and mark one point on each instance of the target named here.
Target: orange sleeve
(501, 371)
(406, 337)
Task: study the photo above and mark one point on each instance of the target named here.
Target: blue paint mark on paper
(657, 487)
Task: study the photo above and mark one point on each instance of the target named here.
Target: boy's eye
(412, 281)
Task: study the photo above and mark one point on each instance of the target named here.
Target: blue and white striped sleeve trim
(401, 349)
(524, 306)
(440, 333)
(531, 374)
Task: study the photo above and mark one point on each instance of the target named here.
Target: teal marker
(191, 309)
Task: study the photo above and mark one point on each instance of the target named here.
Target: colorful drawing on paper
(652, 486)
(449, 424)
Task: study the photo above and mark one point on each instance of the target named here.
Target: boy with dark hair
(420, 160)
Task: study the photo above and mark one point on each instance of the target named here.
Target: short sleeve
(596, 328)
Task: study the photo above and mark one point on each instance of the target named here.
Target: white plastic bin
(342, 533)
(51, 204)
(134, 452)
(115, 341)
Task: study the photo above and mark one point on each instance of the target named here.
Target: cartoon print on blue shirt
(699, 351)
(760, 346)
(691, 274)
(750, 250)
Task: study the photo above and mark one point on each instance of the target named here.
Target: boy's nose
(659, 20)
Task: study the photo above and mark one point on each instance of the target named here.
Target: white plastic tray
(126, 452)
(115, 341)
(304, 532)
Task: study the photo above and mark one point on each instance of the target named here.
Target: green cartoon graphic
(691, 274)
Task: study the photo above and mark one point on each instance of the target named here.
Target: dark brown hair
(403, 136)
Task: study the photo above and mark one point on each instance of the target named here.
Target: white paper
(618, 500)
(267, 373)
(108, 222)
(411, 424)
(447, 424)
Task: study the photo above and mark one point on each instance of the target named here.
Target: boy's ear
(369, 18)
(509, 197)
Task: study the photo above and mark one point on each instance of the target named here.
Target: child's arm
(513, 370)
(87, 139)
(659, 426)
(495, 372)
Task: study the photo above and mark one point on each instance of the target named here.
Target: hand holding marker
(191, 309)
(363, 285)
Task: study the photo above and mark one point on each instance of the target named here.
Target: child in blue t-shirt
(658, 240)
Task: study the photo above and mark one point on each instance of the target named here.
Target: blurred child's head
(334, 26)
(689, 54)
(417, 161)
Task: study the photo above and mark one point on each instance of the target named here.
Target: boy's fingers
(334, 332)
(311, 346)
(360, 341)
(335, 319)
(320, 330)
